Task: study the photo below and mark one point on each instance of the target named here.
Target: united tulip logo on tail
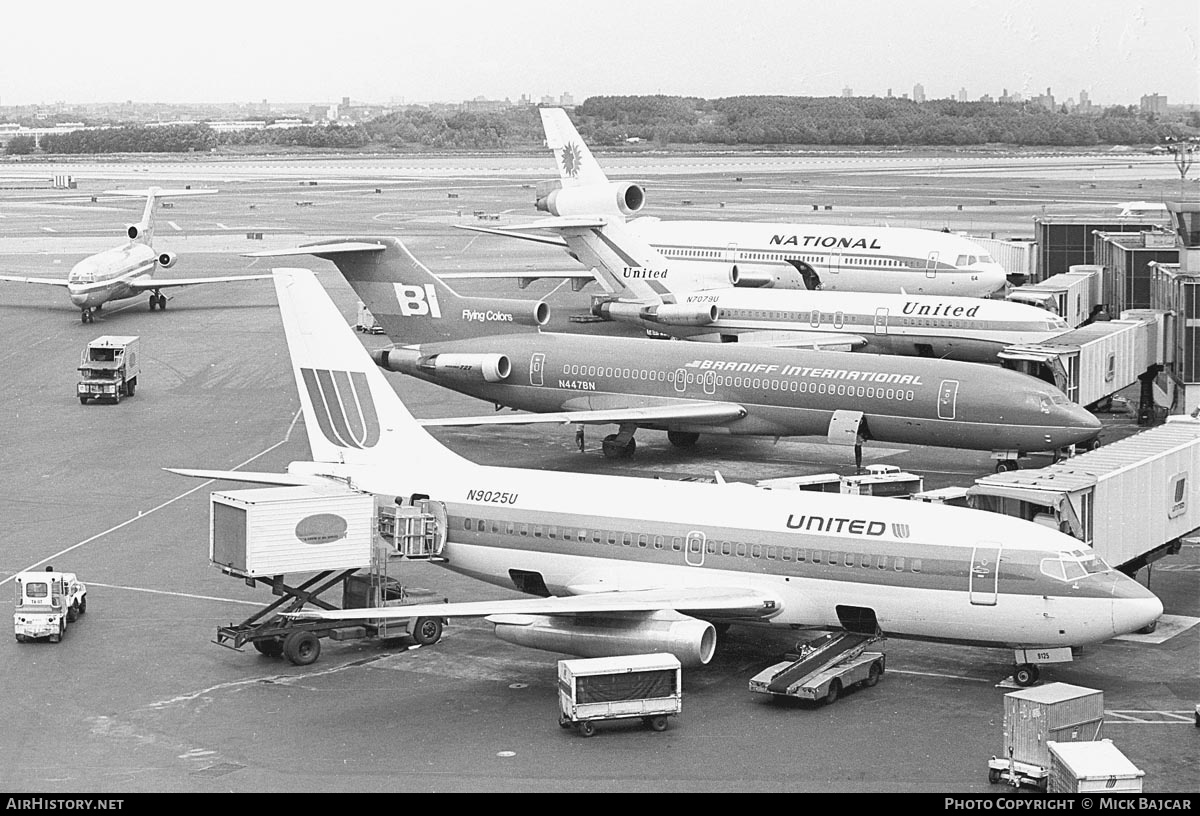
(343, 406)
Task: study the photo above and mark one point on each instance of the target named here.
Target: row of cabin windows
(728, 381)
(838, 319)
(846, 259)
(712, 546)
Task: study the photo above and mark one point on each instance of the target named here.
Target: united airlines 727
(128, 270)
(833, 257)
(620, 565)
(950, 327)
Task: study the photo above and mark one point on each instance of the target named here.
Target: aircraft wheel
(658, 723)
(1026, 674)
(587, 728)
(835, 691)
(614, 450)
(1005, 465)
(153, 303)
(683, 439)
(427, 631)
(162, 303)
(302, 648)
(1148, 628)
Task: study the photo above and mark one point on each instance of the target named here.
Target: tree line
(748, 121)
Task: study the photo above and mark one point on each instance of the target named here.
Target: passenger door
(983, 582)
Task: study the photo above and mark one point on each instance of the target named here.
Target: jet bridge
(1132, 502)
(1094, 362)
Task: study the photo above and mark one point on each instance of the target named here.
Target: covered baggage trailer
(648, 687)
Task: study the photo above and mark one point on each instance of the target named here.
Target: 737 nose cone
(1134, 607)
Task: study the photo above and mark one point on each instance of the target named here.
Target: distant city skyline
(380, 53)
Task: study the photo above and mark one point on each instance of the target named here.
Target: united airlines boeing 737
(833, 257)
(688, 389)
(128, 270)
(620, 565)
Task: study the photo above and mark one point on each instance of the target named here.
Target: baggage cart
(646, 687)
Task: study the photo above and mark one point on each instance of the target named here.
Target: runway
(137, 697)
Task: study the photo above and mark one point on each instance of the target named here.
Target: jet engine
(396, 358)
(667, 314)
(491, 367)
(622, 197)
(691, 640)
(133, 231)
(167, 259)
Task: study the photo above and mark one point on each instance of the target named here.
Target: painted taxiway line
(176, 594)
(167, 503)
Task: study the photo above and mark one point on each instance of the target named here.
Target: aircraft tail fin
(412, 304)
(626, 264)
(143, 231)
(576, 165)
(351, 412)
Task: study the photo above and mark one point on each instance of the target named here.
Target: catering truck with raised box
(322, 536)
(108, 369)
(47, 601)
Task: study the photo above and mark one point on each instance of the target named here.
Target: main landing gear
(620, 445)
(158, 300)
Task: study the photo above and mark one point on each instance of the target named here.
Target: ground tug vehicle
(47, 602)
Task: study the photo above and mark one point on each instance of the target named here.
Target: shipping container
(282, 530)
(1132, 501)
(1091, 767)
(1057, 712)
(1095, 361)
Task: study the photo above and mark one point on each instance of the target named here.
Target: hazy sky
(450, 50)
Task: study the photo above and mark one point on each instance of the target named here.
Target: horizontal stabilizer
(699, 413)
(159, 283)
(318, 249)
(251, 476)
(540, 239)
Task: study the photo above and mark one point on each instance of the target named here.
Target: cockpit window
(1072, 566)
(986, 259)
(963, 260)
(1056, 323)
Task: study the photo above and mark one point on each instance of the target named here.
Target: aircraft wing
(723, 601)
(693, 412)
(162, 283)
(47, 281)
